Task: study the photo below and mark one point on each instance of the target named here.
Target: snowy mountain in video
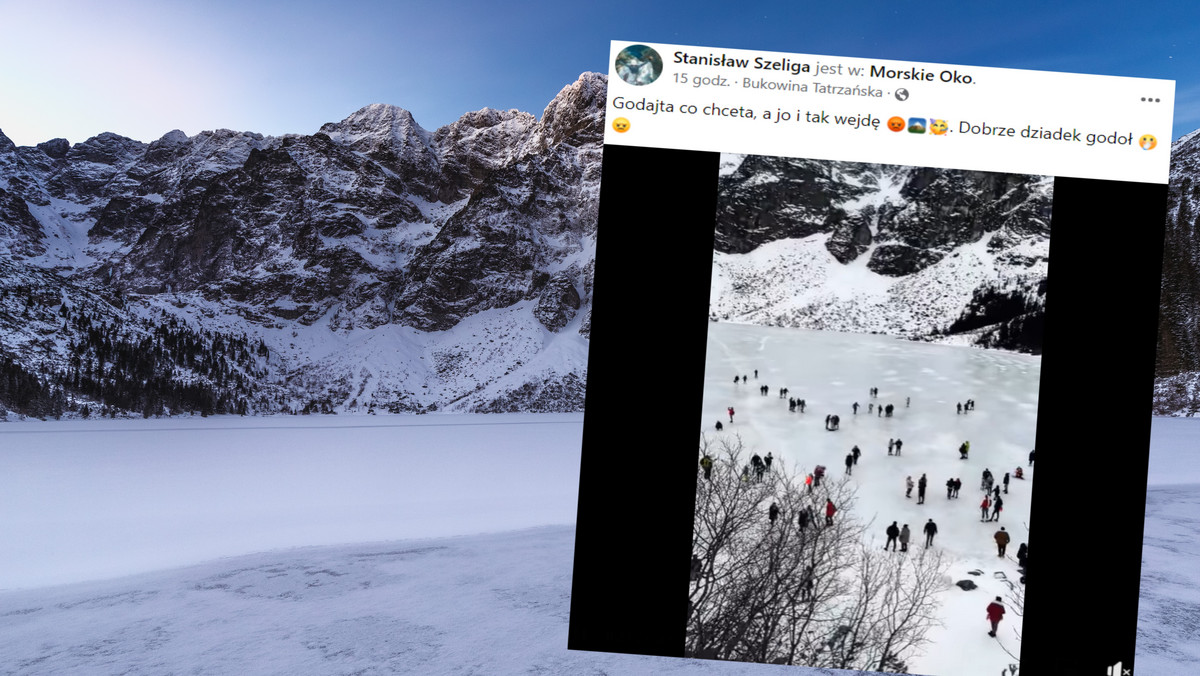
(934, 254)
(370, 265)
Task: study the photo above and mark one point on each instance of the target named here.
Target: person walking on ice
(893, 533)
(730, 409)
(849, 463)
(908, 485)
(891, 445)
(829, 512)
(805, 517)
(983, 508)
(1006, 483)
(773, 513)
(921, 489)
(706, 464)
(930, 531)
(855, 407)
(995, 613)
(855, 452)
(905, 534)
(1002, 540)
(949, 488)
(899, 443)
(997, 505)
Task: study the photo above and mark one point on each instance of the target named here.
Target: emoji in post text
(938, 127)
(621, 125)
(1147, 142)
(896, 124)
(916, 125)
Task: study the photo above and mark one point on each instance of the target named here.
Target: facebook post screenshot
(867, 337)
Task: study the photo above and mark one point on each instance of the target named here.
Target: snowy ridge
(920, 253)
(369, 226)
(797, 283)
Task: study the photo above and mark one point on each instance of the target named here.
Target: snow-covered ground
(1168, 641)
(84, 500)
(831, 371)
(187, 546)
(153, 523)
(487, 605)
(1174, 452)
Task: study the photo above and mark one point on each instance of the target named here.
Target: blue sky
(75, 69)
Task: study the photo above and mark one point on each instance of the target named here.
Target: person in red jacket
(995, 613)
(829, 510)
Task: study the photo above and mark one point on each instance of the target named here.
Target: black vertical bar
(645, 387)
(1093, 437)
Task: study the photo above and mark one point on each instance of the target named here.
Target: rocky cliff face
(859, 247)
(371, 231)
(1177, 370)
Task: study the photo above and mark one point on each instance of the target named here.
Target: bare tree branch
(800, 589)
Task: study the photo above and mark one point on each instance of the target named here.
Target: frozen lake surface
(180, 589)
(83, 500)
(483, 604)
(831, 371)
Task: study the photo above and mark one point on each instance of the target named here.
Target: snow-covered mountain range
(376, 265)
(373, 264)
(924, 253)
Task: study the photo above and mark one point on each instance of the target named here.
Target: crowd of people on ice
(991, 506)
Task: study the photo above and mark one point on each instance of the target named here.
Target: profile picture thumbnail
(639, 65)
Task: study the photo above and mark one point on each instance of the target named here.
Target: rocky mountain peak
(174, 137)
(578, 109)
(107, 148)
(6, 146)
(376, 124)
(55, 147)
